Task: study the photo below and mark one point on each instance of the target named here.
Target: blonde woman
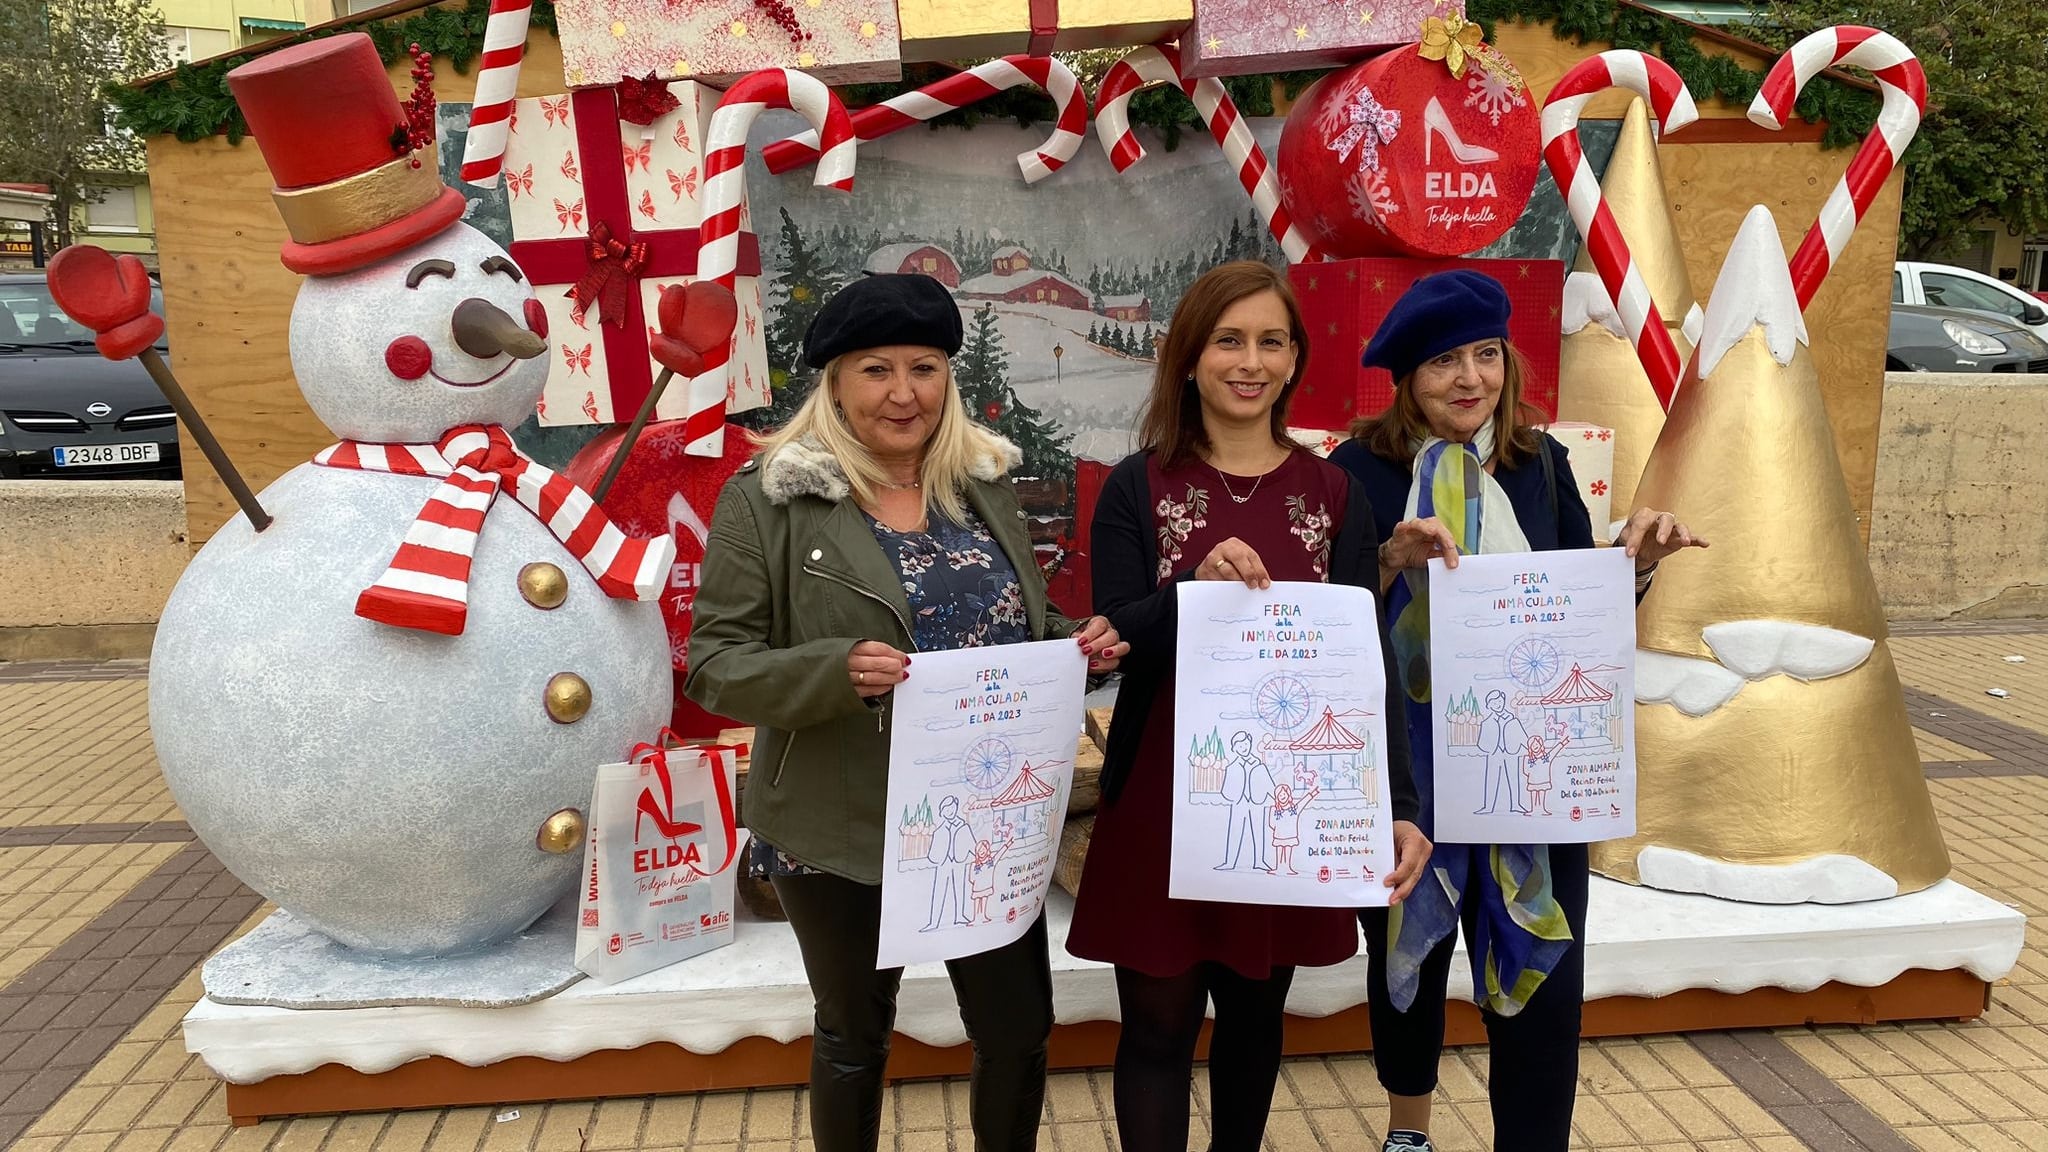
(877, 524)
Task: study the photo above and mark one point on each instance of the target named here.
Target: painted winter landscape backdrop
(1063, 286)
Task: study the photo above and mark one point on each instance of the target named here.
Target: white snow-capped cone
(1694, 687)
(1830, 879)
(1586, 303)
(1761, 648)
(1694, 317)
(1754, 288)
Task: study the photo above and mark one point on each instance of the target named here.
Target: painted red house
(1010, 258)
(1131, 309)
(926, 259)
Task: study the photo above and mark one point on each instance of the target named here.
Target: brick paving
(107, 905)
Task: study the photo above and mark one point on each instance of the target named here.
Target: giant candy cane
(1672, 104)
(1904, 85)
(725, 193)
(1150, 66)
(497, 83)
(956, 92)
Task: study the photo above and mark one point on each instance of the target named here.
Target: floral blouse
(963, 593)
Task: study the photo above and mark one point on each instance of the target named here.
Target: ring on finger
(860, 677)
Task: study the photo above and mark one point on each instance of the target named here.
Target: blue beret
(879, 311)
(1436, 314)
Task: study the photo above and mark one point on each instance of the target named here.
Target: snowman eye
(426, 268)
(500, 264)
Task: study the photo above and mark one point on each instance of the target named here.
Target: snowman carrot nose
(483, 330)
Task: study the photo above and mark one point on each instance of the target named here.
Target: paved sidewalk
(108, 904)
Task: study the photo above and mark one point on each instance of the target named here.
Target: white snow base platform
(741, 1016)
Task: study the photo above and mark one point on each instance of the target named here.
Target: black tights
(1155, 1056)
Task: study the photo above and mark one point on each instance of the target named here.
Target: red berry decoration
(419, 107)
(993, 411)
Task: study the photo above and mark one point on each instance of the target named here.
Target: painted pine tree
(983, 372)
(803, 280)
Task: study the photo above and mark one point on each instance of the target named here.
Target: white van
(1946, 286)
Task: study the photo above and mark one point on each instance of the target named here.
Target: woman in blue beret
(878, 523)
(1458, 438)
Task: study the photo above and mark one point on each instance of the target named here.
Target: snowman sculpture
(384, 710)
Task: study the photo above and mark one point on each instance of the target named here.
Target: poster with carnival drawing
(1280, 786)
(1532, 681)
(981, 759)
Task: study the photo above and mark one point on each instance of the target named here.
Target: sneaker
(1404, 1140)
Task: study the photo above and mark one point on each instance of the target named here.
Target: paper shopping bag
(658, 865)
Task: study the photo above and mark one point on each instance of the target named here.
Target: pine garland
(193, 102)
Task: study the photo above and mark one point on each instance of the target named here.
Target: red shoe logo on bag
(663, 811)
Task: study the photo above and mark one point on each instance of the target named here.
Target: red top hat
(349, 185)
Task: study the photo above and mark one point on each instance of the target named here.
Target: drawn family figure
(953, 852)
(1536, 772)
(1248, 789)
(1504, 740)
(982, 875)
(1285, 822)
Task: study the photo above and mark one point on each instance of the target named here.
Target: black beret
(878, 311)
(1436, 314)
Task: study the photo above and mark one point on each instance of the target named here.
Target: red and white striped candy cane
(1153, 65)
(1904, 84)
(956, 92)
(497, 83)
(1672, 104)
(725, 192)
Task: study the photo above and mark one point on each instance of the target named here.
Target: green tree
(982, 371)
(1983, 145)
(803, 281)
(57, 58)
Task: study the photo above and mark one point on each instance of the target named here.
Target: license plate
(101, 455)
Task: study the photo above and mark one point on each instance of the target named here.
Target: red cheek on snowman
(537, 319)
(409, 358)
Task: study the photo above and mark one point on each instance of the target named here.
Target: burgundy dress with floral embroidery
(1123, 915)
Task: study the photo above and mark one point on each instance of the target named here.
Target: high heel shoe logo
(661, 811)
(1437, 122)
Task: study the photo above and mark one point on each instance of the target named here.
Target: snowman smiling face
(442, 334)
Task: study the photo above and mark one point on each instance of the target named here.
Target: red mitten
(696, 327)
(109, 296)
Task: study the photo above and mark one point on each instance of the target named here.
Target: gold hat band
(358, 204)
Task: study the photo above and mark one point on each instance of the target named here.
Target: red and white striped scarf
(427, 585)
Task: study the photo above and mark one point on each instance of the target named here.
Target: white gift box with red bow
(1589, 449)
(608, 209)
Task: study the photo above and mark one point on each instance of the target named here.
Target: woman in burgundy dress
(1218, 492)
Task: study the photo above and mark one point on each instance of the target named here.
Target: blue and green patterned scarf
(1519, 931)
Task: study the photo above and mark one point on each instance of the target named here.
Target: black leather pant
(1005, 1002)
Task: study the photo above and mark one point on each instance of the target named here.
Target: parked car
(67, 412)
(1958, 340)
(1946, 286)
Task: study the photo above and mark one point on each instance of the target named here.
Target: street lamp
(1058, 377)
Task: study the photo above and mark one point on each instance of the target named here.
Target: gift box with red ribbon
(603, 187)
(963, 29)
(838, 41)
(1244, 37)
(1343, 302)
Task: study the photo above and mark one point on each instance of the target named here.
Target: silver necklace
(1247, 497)
(913, 486)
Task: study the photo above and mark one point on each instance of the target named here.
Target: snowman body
(383, 784)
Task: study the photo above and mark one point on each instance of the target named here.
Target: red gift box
(1245, 37)
(661, 491)
(1343, 302)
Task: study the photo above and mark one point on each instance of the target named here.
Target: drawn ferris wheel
(1533, 662)
(987, 764)
(1282, 702)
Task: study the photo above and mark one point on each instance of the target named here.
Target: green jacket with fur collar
(793, 578)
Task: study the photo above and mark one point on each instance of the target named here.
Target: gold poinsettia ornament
(1450, 38)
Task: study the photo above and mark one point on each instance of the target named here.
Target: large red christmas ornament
(661, 490)
(1400, 156)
